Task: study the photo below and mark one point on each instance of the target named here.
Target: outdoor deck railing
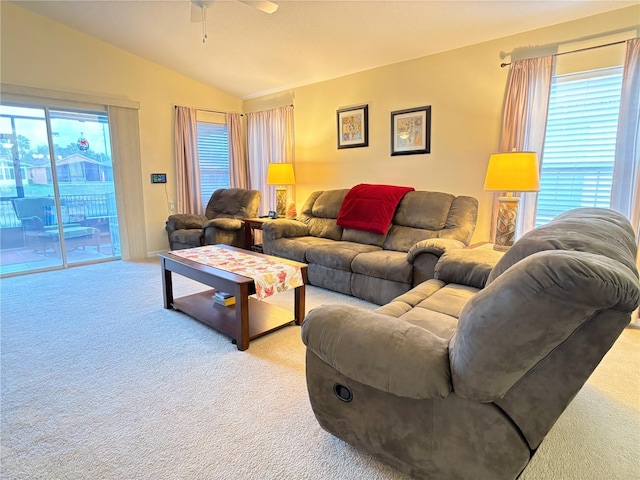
(89, 206)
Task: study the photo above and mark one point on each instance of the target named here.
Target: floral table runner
(269, 275)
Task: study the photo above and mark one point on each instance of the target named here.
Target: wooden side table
(251, 224)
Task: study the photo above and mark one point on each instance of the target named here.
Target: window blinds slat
(213, 152)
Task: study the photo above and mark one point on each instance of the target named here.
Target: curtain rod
(208, 110)
(502, 65)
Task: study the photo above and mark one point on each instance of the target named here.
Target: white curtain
(187, 165)
(625, 195)
(524, 123)
(238, 165)
(270, 139)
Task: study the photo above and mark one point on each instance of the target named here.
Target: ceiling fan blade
(262, 5)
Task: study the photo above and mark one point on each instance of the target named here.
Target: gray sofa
(373, 267)
(463, 376)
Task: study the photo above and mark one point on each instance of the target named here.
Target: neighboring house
(78, 168)
(7, 173)
(75, 168)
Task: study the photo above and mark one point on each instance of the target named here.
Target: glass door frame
(46, 108)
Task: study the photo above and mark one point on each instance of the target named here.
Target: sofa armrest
(223, 223)
(435, 246)
(382, 352)
(181, 221)
(467, 267)
(283, 228)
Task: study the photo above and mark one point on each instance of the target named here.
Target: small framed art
(353, 127)
(411, 131)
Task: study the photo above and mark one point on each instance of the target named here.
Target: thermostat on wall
(158, 178)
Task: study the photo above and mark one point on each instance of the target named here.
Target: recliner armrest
(382, 352)
(283, 228)
(181, 221)
(436, 246)
(467, 267)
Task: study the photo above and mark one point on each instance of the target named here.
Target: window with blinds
(580, 142)
(213, 152)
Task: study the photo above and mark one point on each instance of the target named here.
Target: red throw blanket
(371, 207)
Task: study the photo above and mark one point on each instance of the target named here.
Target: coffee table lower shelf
(265, 317)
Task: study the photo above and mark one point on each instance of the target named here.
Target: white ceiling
(250, 53)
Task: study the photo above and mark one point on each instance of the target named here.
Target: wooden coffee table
(249, 318)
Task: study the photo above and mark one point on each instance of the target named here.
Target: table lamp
(510, 172)
(281, 174)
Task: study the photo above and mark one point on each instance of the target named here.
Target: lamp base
(506, 225)
(281, 201)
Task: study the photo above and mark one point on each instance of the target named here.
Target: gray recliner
(222, 222)
(464, 375)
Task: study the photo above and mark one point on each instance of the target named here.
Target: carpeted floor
(100, 382)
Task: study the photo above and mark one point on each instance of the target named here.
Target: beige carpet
(100, 382)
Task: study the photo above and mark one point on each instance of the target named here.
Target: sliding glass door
(57, 195)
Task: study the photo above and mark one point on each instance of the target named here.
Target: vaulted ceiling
(250, 53)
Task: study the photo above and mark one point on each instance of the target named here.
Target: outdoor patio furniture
(38, 216)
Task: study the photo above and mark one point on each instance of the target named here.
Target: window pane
(579, 150)
(213, 152)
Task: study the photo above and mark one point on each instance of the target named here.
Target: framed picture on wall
(353, 127)
(411, 131)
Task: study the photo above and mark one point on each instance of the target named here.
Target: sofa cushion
(233, 203)
(425, 210)
(376, 290)
(370, 207)
(320, 212)
(449, 300)
(295, 248)
(328, 203)
(384, 264)
(401, 239)
(325, 228)
(440, 324)
(338, 255)
(359, 236)
(432, 305)
(405, 302)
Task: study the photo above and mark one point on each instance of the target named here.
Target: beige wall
(465, 88)
(37, 52)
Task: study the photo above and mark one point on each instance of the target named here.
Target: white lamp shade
(513, 172)
(280, 174)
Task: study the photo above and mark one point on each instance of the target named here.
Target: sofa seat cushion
(296, 248)
(384, 264)
(433, 305)
(449, 300)
(440, 324)
(338, 255)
